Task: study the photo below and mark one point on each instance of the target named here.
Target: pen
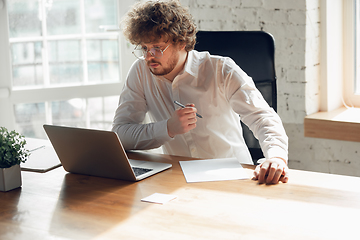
(182, 105)
(36, 148)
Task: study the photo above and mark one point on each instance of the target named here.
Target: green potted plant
(12, 153)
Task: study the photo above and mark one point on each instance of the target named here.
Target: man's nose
(148, 55)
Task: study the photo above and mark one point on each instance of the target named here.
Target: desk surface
(59, 205)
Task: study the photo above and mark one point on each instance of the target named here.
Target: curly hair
(151, 20)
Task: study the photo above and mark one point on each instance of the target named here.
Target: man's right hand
(182, 120)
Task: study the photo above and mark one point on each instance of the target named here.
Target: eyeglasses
(141, 52)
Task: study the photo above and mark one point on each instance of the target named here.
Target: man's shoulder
(208, 56)
(138, 69)
(205, 57)
(138, 64)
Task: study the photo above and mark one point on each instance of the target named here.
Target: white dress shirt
(220, 90)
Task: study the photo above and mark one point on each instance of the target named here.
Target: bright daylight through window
(350, 33)
(60, 43)
(357, 45)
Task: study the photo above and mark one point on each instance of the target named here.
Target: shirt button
(193, 150)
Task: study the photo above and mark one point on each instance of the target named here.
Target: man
(168, 70)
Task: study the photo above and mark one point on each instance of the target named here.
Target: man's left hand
(271, 171)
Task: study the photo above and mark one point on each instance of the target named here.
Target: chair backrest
(254, 52)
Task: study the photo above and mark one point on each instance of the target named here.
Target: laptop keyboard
(138, 171)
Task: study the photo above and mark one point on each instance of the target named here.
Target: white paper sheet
(212, 170)
(42, 157)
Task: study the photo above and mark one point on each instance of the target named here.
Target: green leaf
(12, 148)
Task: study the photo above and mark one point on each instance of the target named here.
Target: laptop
(98, 153)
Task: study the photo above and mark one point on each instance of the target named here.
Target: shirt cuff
(276, 152)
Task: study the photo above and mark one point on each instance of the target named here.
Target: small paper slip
(159, 198)
(213, 170)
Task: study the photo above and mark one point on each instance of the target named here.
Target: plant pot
(10, 178)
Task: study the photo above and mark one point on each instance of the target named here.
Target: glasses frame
(145, 52)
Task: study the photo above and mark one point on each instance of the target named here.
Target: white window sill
(340, 124)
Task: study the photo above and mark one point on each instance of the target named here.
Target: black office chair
(254, 52)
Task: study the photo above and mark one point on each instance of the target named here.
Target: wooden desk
(58, 205)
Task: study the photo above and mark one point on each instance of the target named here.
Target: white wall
(295, 25)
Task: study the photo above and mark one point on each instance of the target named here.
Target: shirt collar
(192, 63)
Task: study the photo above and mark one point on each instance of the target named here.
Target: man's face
(164, 65)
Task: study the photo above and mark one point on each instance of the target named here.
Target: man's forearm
(141, 136)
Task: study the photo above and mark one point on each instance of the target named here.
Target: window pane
(27, 64)
(70, 113)
(63, 17)
(24, 18)
(101, 112)
(29, 119)
(103, 60)
(65, 64)
(98, 13)
(357, 44)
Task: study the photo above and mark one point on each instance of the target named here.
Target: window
(64, 67)
(357, 44)
(339, 113)
(59, 42)
(339, 73)
(351, 53)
